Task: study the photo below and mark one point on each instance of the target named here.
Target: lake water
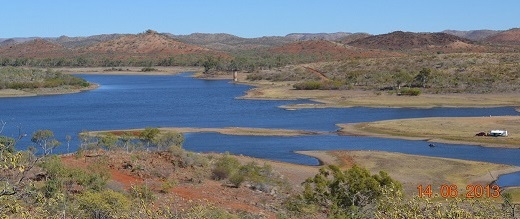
(124, 102)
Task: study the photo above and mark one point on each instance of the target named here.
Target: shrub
(411, 91)
(346, 192)
(319, 85)
(308, 85)
(148, 69)
(225, 167)
(254, 77)
(142, 192)
(104, 204)
(237, 179)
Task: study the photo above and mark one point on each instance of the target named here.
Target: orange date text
(452, 191)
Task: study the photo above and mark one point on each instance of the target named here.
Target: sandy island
(228, 131)
(457, 130)
(94, 70)
(44, 91)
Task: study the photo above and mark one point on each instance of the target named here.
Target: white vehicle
(498, 133)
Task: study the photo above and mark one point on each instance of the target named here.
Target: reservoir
(137, 101)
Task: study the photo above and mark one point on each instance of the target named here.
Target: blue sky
(251, 18)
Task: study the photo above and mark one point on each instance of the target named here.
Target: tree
(68, 138)
(148, 135)
(346, 192)
(109, 140)
(209, 63)
(423, 77)
(125, 139)
(170, 139)
(45, 140)
(402, 77)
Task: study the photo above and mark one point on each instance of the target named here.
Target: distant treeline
(242, 61)
(20, 78)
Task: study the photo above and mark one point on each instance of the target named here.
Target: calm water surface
(124, 102)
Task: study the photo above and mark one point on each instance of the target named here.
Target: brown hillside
(37, 48)
(511, 36)
(149, 43)
(328, 49)
(353, 37)
(407, 40)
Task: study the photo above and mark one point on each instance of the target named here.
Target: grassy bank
(453, 130)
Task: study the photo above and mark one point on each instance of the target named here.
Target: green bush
(346, 192)
(319, 85)
(104, 204)
(225, 167)
(308, 85)
(143, 192)
(254, 77)
(147, 69)
(411, 91)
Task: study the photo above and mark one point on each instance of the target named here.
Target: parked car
(480, 134)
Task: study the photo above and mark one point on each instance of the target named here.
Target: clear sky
(251, 18)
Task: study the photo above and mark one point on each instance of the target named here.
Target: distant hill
(37, 48)
(511, 37)
(149, 43)
(75, 42)
(318, 36)
(19, 39)
(353, 37)
(402, 41)
(150, 46)
(228, 42)
(475, 35)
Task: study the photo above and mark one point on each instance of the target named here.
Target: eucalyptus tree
(45, 140)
